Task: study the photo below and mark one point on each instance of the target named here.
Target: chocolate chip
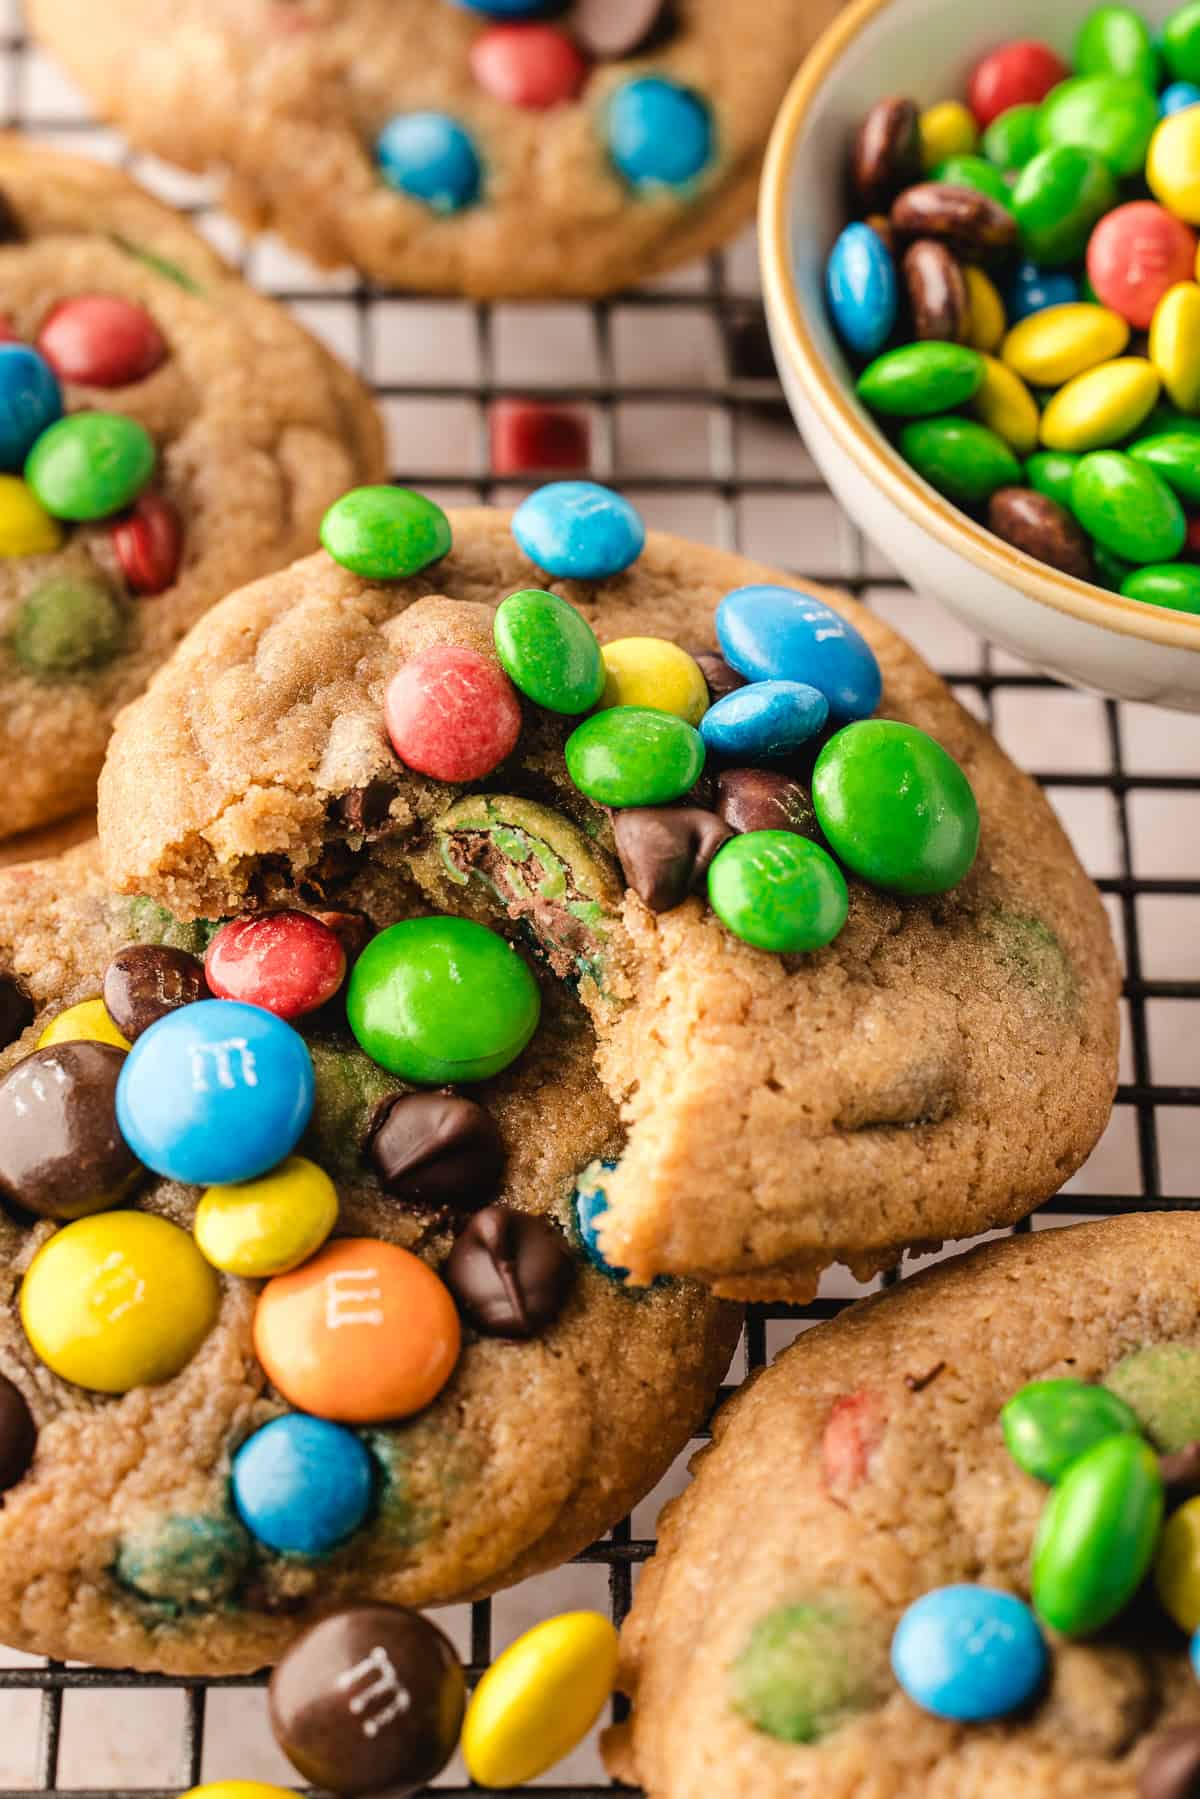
(762, 799)
(366, 808)
(10, 225)
(1181, 1471)
(510, 1272)
(960, 216)
(145, 981)
(1039, 526)
(369, 1698)
(61, 1153)
(1173, 1769)
(16, 1012)
(608, 29)
(18, 1435)
(437, 1149)
(937, 292)
(716, 671)
(887, 153)
(665, 850)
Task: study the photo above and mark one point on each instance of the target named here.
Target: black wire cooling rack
(685, 415)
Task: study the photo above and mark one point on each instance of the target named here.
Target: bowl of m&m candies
(981, 258)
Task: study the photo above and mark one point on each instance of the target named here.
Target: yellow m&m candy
(946, 128)
(986, 320)
(26, 528)
(1006, 406)
(1060, 342)
(1102, 406)
(649, 671)
(239, 1789)
(1173, 164)
(1177, 1570)
(264, 1227)
(539, 1699)
(119, 1300)
(1175, 343)
(88, 1022)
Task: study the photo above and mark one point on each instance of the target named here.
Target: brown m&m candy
(145, 981)
(609, 29)
(763, 799)
(1173, 1770)
(1181, 1471)
(721, 679)
(61, 1153)
(665, 850)
(18, 1435)
(437, 1149)
(16, 1012)
(510, 1272)
(369, 1698)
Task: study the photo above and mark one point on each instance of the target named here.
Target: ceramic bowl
(925, 49)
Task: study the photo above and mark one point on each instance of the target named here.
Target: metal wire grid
(1127, 779)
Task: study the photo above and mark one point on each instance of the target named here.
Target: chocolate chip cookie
(483, 149)
(881, 1466)
(166, 435)
(829, 1035)
(165, 1506)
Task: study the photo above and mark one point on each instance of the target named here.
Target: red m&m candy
(1135, 254)
(1017, 74)
(527, 437)
(99, 340)
(286, 962)
(148, 543)
(528, 65)
(452, 714)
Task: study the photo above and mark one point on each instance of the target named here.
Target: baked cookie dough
(123, 1544)
(251, 426)
(867, 1469)
(541, 150)
(937, 1070)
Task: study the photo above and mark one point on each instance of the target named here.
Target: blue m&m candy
(302, 1485)
(590, 1202)
(579, 530)
(430, 156)
(1032, 289)
(1178, 97)
(777, 634)
(860, 281)
(504, 9)
(764, 721)
(969, 1653)
(659, 133)
(30, 400)
(215, 1092)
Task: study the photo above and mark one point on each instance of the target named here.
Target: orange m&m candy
(361, 1333)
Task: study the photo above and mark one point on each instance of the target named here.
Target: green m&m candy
(1128, 508)
(895, 807)
(442, 999)
(633, 756)
(1181, 42)
(1115, 40)
(778, 891)
(1058, 198)
(1175, 455)
(1050, 1423)
(1097, 1536)
(918, 379)
(385, 533)
(90, 465)
(67, 625)
(976, 172)
(1175, 585)
(1111, 571)
(1110, 114)
(549, 651)
(963, 459)
(1011, 140)
(1051, 472)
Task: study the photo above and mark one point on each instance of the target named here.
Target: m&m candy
(30, 402)
(539, 1699)
(579, 530)
(270, 1225)
(101, 340)
(215, 1092)
(452, 714)
(302, 1485)
(287, 962)
(363, 1332)
(969, 1653)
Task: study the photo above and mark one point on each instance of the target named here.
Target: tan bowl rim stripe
(875, 458)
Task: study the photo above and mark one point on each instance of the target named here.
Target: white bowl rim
(833, 400)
